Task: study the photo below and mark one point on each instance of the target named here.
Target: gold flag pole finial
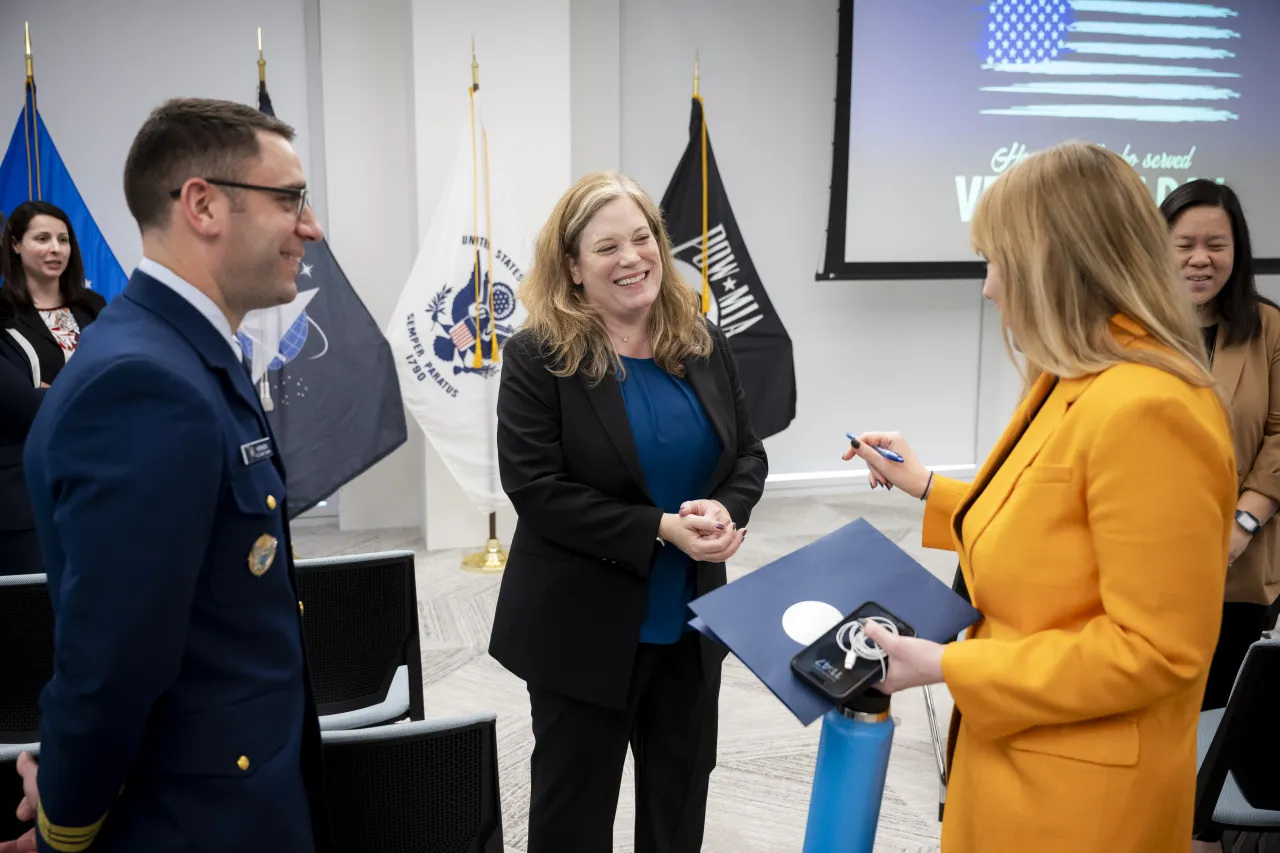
(695, 73)
(475, 66)
(262, 63)
(31, 74)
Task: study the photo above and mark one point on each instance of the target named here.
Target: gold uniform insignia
(262, 555)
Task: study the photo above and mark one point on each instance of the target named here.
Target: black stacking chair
(360, 618)
(26, 656)
(417, 787)
(1238, 747)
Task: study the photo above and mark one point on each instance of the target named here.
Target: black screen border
(834, 265)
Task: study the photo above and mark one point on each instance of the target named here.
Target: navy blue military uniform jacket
(180, 714)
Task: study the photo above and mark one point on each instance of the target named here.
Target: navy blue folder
(845, 569)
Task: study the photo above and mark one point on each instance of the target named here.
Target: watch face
(1247, 521)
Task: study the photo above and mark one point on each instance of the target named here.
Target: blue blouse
(678, 451)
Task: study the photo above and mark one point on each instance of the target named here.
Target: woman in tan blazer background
(1242, 335)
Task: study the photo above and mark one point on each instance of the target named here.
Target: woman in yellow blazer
(1093, 540)
(1242, 333)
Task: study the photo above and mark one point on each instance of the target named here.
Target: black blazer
(19, 400)
(575, 589)
(28, 321)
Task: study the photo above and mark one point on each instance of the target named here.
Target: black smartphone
(821, 665)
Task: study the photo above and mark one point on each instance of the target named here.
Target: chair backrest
(418, 787)
(26, 655)
(1247, 741)
(360, 616)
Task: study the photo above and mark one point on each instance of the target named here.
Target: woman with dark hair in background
(44, 305)
(1242, 335)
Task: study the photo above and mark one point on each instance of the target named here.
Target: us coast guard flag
(457, 310)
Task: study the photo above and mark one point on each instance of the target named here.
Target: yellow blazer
(1094, 544)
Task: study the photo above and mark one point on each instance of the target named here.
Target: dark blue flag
(32, 170)
(326, 377)
(712, 256)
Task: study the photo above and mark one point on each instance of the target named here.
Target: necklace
(627, 339)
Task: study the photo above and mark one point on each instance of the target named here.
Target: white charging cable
(855, 643)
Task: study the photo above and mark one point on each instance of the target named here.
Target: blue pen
(885, 452)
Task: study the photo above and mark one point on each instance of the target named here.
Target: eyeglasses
(300, 193)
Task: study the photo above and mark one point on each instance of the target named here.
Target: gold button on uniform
(243, 763)
(271, 501)
(301, 609)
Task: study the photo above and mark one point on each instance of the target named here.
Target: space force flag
(32, 170)
(323, 371)
(457, 310)
(712, 256)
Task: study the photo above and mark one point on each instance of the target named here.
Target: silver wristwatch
(1248, 522)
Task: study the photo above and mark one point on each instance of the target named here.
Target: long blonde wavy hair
(1077, 238)
(564, 321)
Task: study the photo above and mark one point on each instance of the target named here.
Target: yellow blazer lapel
(1017, 449)
(1228, 364)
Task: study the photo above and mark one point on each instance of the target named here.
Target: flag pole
(475, 204)
(262, 63)
(264, 383)
(492, 559)
(31, 120)
(706, 285)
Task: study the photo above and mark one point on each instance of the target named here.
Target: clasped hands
(704, 530)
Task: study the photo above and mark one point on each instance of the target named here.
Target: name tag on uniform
(256, 451)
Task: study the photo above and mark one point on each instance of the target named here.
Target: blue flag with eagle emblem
(324, 373)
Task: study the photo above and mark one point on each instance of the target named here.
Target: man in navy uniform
(180, 715)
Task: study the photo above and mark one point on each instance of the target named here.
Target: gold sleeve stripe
(66, 839)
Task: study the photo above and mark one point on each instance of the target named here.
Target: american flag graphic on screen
(1129, 60)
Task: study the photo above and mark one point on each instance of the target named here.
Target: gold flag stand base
(492, 560)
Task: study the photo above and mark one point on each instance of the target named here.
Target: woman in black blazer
(625, 446)
(44, 305)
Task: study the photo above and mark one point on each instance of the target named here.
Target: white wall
(523, 50)
(366, 81)
(101, 67)
(595, 85)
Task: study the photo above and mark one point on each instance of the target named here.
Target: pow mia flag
(738, 303)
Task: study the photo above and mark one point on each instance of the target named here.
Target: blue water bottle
(848, 780)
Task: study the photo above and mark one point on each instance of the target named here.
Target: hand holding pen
(890, 462)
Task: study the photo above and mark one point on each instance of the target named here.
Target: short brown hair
(190, 138)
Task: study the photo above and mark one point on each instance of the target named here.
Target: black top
(576, 585)
(19, 401)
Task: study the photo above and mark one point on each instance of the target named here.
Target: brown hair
(565, 322)
(1077, 238)
(190, 138)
